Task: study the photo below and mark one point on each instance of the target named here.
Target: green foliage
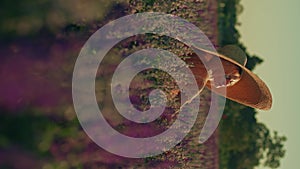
(244, 142)
(33, 131)
(29, 17)
(25, 129)
(275, 150)
(228, 34)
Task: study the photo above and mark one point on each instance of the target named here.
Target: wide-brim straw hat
(250, 90)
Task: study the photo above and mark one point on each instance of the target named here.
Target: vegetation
(244, 142)
(38, 123)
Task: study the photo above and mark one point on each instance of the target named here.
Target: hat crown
(235, 53)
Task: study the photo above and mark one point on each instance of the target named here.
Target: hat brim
(250, 90)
